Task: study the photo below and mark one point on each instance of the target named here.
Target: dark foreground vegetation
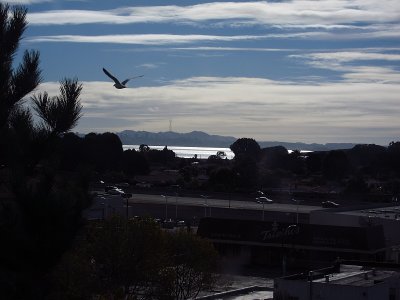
(363, 173)
(48, 251)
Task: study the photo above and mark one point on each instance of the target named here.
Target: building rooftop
(381, 209)
(391, 212)
(359, 278)
(347, 275)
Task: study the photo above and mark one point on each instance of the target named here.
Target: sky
(309, 71)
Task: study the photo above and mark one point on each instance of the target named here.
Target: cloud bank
(340, 59)
(250, 107)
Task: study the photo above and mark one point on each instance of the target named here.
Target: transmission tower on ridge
(170, 125)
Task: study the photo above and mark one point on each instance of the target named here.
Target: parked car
(264, 200)
(180, 223)
(115, 191)
(168, 224)
(329, 204)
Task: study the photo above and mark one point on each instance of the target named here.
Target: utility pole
(166, 206)
(205, 197)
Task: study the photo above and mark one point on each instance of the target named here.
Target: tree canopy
(245, 147)
(40, 203)
(135, 259)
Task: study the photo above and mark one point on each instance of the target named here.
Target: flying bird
(119, 85)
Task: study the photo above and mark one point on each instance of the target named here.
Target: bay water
(189, 152)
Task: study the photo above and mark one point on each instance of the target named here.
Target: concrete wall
(305, 290)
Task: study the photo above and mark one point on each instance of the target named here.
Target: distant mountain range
(202, 139)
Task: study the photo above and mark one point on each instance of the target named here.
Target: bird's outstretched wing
(126, 80)
(111, 76)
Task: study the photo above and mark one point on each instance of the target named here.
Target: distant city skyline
(297, 71)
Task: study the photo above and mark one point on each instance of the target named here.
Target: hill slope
(202, 139)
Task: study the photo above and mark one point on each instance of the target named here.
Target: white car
(115, 191)
(264, 200)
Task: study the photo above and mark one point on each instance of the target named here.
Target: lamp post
(310, 279)
(297, 210)
(166, 206)
(176, 206)
(263, 211)
(127, 208)
(205, 197)
(176, 201)
(261, 194)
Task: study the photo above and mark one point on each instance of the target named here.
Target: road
(195, 208)
(220, 203)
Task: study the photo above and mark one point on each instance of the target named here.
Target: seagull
(119, 85)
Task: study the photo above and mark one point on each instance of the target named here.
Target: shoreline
(188, 152)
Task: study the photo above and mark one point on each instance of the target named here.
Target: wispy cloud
(12, 2)
(254, 49)
(373, 74)
(170, 39)
(251, 107)
(142, 39)
(347, 56)
(292, 13)
(349, 64)
(306, 19)
(149, 66)
(164, 39)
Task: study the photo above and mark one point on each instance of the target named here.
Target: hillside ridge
(202, 139)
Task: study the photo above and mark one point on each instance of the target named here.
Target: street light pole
(263, 212)
(177, 187)
(127, 208)
(166, 206)
(205, 204)
(297, 210)
(176, 206)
